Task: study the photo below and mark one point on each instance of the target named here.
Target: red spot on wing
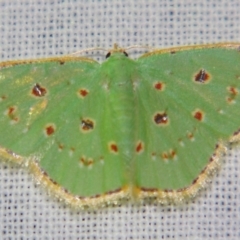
(171, 154)
(38, 90)
(83, 92)
(190, 136)
(159, 86)
(114, 147)
(11, 112)
(87, 124)
(233, 90)
(233, 93)
(202, 76)
(231, 99)
(139, 147)
(165, 156)
(50, 129)
(198, 114)
(86, 162)
(161, 118)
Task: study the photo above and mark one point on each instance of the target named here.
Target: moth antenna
(115, 48)
(89, 49)
(139, 46)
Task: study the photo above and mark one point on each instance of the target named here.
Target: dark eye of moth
(108, 55)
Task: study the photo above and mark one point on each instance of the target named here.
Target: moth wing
(51, 113)
(188, 108)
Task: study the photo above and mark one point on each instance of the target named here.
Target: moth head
(116, 49)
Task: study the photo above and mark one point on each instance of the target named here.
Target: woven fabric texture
(34, 29)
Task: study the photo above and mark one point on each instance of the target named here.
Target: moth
(95, 134)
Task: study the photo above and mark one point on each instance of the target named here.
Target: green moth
(95, 134)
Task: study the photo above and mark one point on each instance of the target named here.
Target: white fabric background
(33, 29)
